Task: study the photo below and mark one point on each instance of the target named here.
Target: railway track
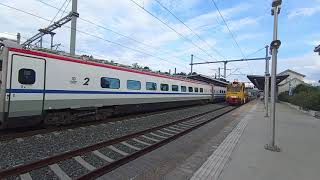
(124, 150)
(10, 134)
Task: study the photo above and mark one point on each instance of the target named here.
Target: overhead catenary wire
(65, 8)
(95, 36)
(171, 28)
(196, 34)
(59, 10)
(230, 32)
(237, 69)
(253, 53)
(110, 30)
(226, 24)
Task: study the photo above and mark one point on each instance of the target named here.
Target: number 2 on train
(86, 83)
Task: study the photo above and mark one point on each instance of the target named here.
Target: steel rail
(24, 168)
(6, 135)
(114, 165)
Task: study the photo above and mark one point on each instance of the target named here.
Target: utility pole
(73, 28)
(266, 84)
(219, 73)
(275, 44)
(191, 64)
(18, 38)
(225, 69)
(51, 44)
(40, 42)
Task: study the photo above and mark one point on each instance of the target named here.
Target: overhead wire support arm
(231, 60)
(50, 28)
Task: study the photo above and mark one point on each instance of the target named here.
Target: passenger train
(50, 89)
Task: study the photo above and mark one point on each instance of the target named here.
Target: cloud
(238, 24)
(303, 12)
(214, 17)
(308, 64)
(248, 36)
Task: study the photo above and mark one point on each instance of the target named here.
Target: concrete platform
(244, 158)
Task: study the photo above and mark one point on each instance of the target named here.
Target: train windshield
(231, 88)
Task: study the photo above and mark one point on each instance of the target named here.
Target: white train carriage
(39, 87)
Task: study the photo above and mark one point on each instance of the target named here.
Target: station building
(293, 80)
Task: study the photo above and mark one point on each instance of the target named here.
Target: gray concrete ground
(298, 136)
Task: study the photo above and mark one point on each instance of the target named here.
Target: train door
(212, 93)
(27, 85)
(3, 60)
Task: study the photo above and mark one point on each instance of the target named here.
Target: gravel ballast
(14, 152)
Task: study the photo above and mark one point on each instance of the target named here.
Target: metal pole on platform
(266, 84)
(275, 44)
(73, 28)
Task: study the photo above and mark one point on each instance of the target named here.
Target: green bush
(305, 96)
(284, 96)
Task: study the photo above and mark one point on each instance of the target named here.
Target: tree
(146, 68)
(193, 73)
(182, 73)
(135, 65)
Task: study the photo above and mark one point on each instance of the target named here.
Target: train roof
(97, 63)
(208, 79)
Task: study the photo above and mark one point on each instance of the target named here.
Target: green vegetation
(305, 96)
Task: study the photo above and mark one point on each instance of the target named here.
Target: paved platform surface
(297, 134)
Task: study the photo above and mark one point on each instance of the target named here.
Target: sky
(127, 34)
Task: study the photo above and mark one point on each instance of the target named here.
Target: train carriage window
(175, 88)
(190, 89)
(133, 85)
(183, 89)
(111, 83)
(151, 86)
(27, 76)
(164, 87)
(201, 90)
(196, 89)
